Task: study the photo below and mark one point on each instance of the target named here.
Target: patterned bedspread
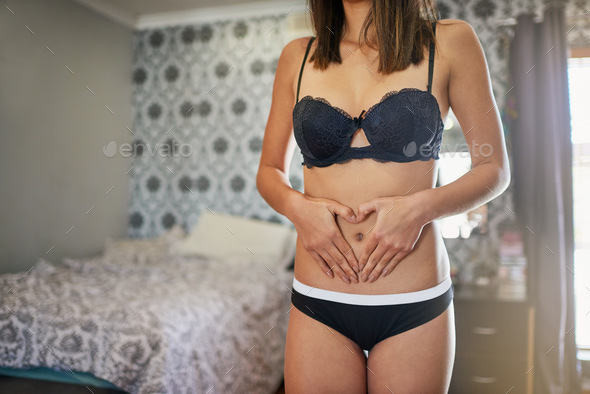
(150, 321)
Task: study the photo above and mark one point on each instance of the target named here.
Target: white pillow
(221, 235)
(135, 249)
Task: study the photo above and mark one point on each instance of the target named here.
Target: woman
(372, 297)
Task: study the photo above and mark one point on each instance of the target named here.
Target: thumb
(365, 209)
(345, 212)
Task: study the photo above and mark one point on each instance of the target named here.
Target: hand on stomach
(424, 266)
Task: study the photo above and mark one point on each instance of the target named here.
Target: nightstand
(494, 351)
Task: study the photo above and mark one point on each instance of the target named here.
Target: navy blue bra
(404, 126)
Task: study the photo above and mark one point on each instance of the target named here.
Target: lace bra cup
(403, 126)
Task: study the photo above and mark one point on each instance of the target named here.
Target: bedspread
(149, 321)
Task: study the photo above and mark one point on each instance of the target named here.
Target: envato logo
(452, 150)
(167, 149)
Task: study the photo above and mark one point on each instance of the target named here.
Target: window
(455, 161)
(579, 81)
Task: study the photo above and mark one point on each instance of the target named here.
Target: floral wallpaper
(202, 96)
(479, 254)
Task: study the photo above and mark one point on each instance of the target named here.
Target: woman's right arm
(314, 218)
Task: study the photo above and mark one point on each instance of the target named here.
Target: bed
(151, 316)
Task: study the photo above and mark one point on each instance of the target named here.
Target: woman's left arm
(400, 219)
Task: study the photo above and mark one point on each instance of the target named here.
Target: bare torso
(359, 181)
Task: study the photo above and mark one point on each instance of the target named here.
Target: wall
(202, 95)
(60, 194)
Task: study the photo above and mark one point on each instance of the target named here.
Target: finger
(334, 266)
(365, 210)
(367, 250)
(343, 211)
(382, 265)
(373, 260)
(396, 259)
(343, 263)
(320, 261)
(347, 251)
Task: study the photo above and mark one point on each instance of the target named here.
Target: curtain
(542, 175)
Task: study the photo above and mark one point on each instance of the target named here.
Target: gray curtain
(542, 174)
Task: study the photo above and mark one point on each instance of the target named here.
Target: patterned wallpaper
(202, 96)
(478, 255)
(578, 22)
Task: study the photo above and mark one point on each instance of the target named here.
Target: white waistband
(373, 299)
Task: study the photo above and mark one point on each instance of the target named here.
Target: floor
(31, 386)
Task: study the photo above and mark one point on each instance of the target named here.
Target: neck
(355, 13)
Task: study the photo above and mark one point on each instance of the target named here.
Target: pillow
(221, 235)
(124, 249)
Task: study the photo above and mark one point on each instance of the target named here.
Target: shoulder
(456, 35)
(290, 59)
(295, 49)
(458, 43)
(289, 63)
(292, 55)
(454, 26)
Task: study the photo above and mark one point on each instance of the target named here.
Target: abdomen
(359, 181)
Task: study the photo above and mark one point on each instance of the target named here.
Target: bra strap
(431, 60)
(303, 65)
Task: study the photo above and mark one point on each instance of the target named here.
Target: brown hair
(403, 29)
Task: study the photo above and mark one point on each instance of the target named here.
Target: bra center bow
(357, 120)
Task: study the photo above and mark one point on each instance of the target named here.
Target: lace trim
(309, 163)
(385, 97)
(323, 100)
(393, 93)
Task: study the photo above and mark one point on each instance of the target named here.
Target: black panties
(369, 319)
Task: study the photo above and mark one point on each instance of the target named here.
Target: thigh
(419, 360)
(319, 359)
